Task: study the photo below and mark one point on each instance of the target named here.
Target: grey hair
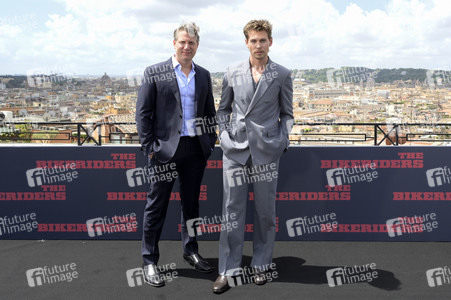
(189, 27)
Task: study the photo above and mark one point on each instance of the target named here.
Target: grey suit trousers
(237, 178)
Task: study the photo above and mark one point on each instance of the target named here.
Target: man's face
(258, 44)
(185, 47)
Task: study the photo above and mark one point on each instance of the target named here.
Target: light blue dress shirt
(187, 93)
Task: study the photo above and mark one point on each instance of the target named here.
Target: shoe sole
(153, 284)
(225, 289)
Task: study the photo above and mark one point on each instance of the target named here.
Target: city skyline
(79, 38)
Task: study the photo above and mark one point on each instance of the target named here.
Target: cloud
(115, 36)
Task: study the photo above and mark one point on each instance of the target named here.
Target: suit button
(179, 132)
(181, 116)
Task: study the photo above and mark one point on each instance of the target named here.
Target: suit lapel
(242, 78)
(197, 104)
(261, 89)
(173, 83)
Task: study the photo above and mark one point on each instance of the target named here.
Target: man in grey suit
(255, 117)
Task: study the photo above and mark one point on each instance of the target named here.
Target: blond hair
(258, 25)
(189, 27)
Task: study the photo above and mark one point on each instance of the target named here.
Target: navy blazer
(159, 111)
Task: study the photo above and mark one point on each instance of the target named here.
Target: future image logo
(349, 275)
(200, 126)
(134, 77)
(240, 276)
(245, 175)
(438, 276)
(18, 223)
(41, 176)
(438, 176)
(156, 173)
(309, 225)
(167, 272)
(345, 176)
(106, 225)
(416, 224)
(337, 77)
(48, 275)
(438, 78)
(199, 226)
(135, 277)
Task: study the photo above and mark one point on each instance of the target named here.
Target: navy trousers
(190, 163)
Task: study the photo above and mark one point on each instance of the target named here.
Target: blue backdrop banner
(324, 194)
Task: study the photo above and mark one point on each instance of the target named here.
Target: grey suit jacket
(259, 123)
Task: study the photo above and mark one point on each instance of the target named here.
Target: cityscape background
(352, 62)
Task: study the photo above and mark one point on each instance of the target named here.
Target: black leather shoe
(198, 262)
(152, 276)
(221, 285)
(260, 277)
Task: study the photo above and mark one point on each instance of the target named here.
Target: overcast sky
(80, 37)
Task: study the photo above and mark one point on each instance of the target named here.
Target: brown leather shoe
(221, 285)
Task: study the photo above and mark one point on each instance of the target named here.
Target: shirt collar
(178, 66)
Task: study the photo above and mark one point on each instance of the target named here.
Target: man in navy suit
(174, 98)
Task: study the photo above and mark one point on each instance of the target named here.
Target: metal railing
(80, 133)
(372, 133)
(392, 133)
